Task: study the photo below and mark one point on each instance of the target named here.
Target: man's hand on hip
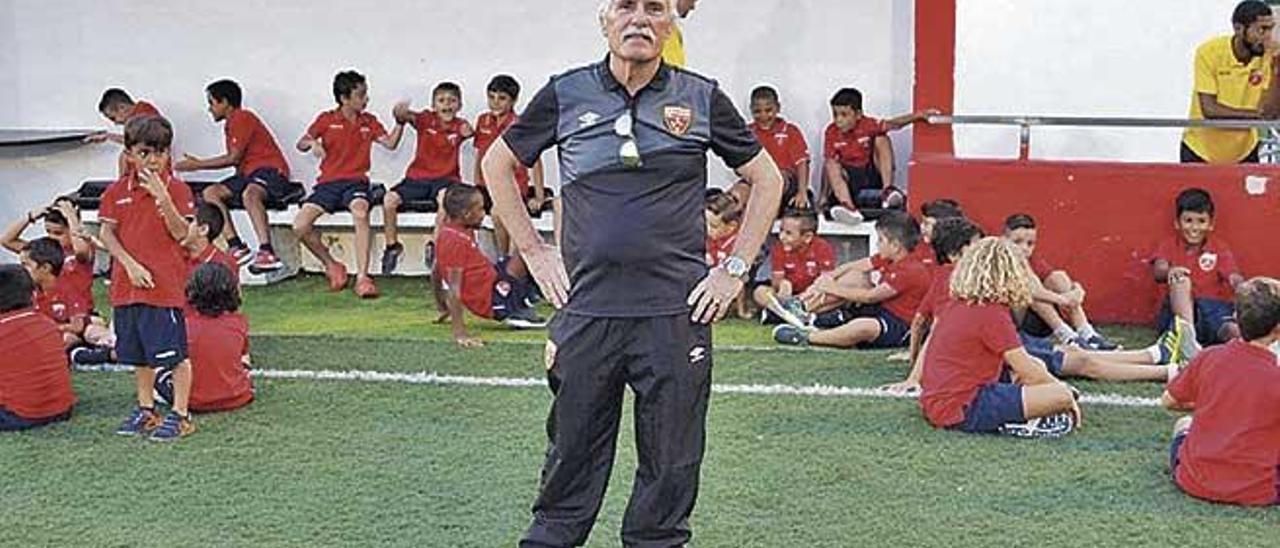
(546, 265)
(712, 298)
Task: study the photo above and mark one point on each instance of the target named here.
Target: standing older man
(632, 134)
(1236, 76)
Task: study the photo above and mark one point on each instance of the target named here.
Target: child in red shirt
(869, 314)
(343, 138)
(464, 278)
(503, 92)
(203, 228)
(435, 166)
(261, 174)
(218, 339)
(1055, 294)
(1228, 450)
(1201, 273)
(796, 259)
(930, 214)
(143, 220)
(974, 338)
(74, 285)
(118, 107)
(859, 158)
(35, 382)
(785, 143)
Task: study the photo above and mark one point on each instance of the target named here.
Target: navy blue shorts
(269, 178)
(894, 332)
(338, 195)
(866, 186)
(422, 190)
(1174, 461)
(996, 405)
(510, 293)
(1210, 315)
(11, 422)
(151, 336)
(1043, 349)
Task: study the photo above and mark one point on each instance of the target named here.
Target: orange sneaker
(365, 288)
(337, 276)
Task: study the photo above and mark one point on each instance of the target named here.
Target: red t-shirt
(1211, 266)
(488, 128)
(217, 346)
(142, 108)
(853, 148)
(785, 143)
(909, 278)
(925, 254)
(75, 284)
(35, 381)
(245, 131)
(56, 305)
(1233, 448)
(938, 298)
(347, 144)
(802, 266)
(140, 227)
(1041, 267)
(212, 254)
(966, 352)
(438, 146)
(719, 249)
(456, 248)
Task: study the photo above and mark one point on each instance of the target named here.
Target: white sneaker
(844, 215)
(1052, 426)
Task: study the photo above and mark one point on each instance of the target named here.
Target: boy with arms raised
(435, 166)
(143, 222)
(343, 139)
(1229, 449)
(261, 174)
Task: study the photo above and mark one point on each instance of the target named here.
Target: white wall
(56, 57)
(1084, 58)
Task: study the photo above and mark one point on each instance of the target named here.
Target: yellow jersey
(673, 49)
(1236, 85)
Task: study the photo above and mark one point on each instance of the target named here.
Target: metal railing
(1269, 151)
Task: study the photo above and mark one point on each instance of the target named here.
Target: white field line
(540, 343)
(815, 390)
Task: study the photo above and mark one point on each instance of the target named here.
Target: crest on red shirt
(1255, 78)
(1208, 261)
(677, 119)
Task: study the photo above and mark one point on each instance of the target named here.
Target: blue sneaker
(1169, 346)
(140, 422)
(174, 426)
(790, 334)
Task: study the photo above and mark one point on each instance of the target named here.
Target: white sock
(1065, 334)
(1154, 352)
(1087, 331)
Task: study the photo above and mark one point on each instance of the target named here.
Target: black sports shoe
(391, 257)
(790, 334)
(524, 318)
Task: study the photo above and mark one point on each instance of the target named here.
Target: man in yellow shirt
(1235, 78)
(673, 48)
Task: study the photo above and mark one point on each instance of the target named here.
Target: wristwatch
(735, 266)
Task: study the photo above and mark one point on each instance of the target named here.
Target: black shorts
(894, 331)
(509, 293)
(1210, 317)
(11, 422)
(337, 196)
(866, 186)
(547, 195)
(269, 178)
(150, 336)
(423, 190)
(1188, 156)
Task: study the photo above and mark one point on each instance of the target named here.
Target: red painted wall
(1099, 221)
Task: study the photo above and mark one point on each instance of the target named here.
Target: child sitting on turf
(43, 259)
(972, 341)
(261, 174)
(143, 222)
(464, 278)
(203, 228)
(1228, 450)
(930, 214)
(503, 92)
(785, 143)
(74, 286)
(343, 138)
(218, 341)
(859, 158)
(435, 165)
(724, 215)
(1060, 294)
(1201, 273)
(797, 259)
(952, 236)
(35, 382)
(879, 309)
